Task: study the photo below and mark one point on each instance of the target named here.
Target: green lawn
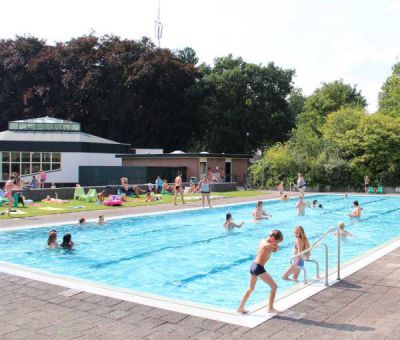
(41, 208)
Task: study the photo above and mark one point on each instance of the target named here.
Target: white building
(56, 146)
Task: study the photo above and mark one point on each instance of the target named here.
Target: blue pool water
(190, 256)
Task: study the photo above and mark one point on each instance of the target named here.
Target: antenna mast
(158, 27)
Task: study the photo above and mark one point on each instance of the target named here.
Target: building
(70, 156)
(234, 166)
(57, 146)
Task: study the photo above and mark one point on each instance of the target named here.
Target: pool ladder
(315, 245)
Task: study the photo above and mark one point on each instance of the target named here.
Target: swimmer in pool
(265, 248)
(52, 240)
(300, 245)
(229, 224)
(259, 213)
(357, 210)
(341, 231)
(301, 207)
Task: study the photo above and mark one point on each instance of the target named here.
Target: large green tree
(389, 97)
(329, 98)
(245, 107)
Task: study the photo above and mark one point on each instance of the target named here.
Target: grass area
(42, 208)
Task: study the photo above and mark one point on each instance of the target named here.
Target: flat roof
(185, 155)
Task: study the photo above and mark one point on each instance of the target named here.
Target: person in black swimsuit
(178, 187)
(257, 270)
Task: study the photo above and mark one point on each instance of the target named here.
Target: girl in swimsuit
(257, 270)
(230, 224)
(52, 240)
(300, 245)
(8, 187)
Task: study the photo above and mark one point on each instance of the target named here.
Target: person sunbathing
(167, 188)
(49, 199)
(150, 197)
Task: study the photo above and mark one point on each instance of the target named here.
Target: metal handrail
(313, 246)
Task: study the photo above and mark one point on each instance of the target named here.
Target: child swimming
(341, 231)
(301, 207)
(259, 213)
(230, 224)
(265, 248)
(52, 240)
(300, 245)
(357, 210)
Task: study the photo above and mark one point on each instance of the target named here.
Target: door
(228, 171)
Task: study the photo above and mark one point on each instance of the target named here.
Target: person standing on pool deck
(204, 186)
(366, 183)
(178, 187)
(356, 211)
(301, 184)
(8, 187)
(300, 245)
(257, 270)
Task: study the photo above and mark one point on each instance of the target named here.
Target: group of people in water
(66, 242)
(67, 238)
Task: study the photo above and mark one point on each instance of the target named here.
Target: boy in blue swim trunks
(257, 270)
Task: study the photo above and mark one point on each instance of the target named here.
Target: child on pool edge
(300, 245)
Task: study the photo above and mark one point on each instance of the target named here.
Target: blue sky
(322, 40)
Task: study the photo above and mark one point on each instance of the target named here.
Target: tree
(124, 90)
(330, 97)
(246, 106)
(188, 55)
(371, 147)
(15, 56)
(296, 101)
(389, 97)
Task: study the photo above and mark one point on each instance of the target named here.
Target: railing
(313, 246)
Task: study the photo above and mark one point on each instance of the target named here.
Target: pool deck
(365, 305)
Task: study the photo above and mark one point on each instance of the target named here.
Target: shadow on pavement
(336, 326)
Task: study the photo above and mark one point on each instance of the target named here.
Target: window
(27, 163)
(6, 171)
(25, 157)
(56, 157)
(25, 168)
(15, 157)
(36, 157)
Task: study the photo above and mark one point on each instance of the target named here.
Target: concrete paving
(366, 305)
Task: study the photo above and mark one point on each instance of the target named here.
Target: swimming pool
(189, 256)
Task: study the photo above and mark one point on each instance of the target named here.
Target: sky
(322, 40)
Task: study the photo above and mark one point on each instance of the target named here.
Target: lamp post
(245, 144)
